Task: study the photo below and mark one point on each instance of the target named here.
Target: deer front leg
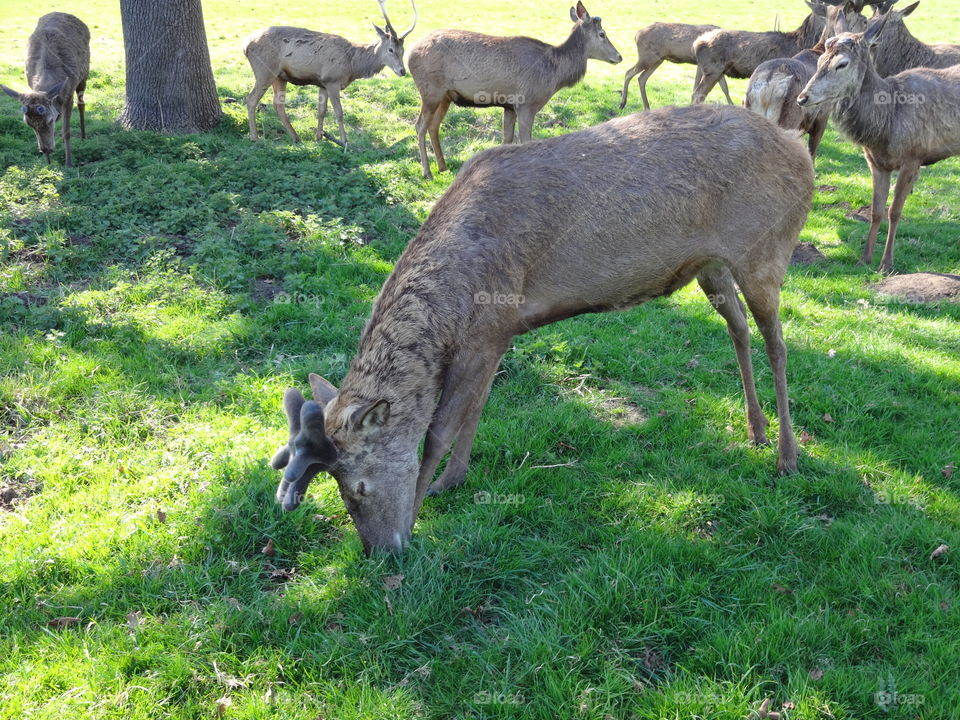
(465, 389)
(905, 180)
(334, 92)
(280, 105)
(525, 117)
(65, 130)
(321, 113)
(881, 189)
(704, 84)
(509, 125)
(81, 106)
(726, 91)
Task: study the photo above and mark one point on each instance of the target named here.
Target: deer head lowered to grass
(528, 235)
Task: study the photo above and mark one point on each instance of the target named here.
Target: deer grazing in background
(519, 74)
(902, 122)
(900, 50)
(528, 235)
(737, 53)
(279, 55)
(58, 62)
(775, 84)
(664, 41)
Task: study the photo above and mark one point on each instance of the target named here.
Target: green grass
(661, 571)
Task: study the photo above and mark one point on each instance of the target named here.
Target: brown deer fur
(529, 235)
(279, 55)
(519, 74)
(902, 122)
(58, 62)
(664, 41)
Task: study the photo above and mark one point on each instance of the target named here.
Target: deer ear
(909, 9)
(817, 9)
(872, 34)
(293, 401)
(380, 31)
(323, 390)
(582, 11)
(12, 93)
(371, 415)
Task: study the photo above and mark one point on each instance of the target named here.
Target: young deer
(775, 84)
(737, 53)
(528, 235)
(58, 62)
(519, 74)
(279, 55)
(664, 41)
(902, 122)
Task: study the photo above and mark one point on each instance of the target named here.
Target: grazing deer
(737, 53)
(519, 74)
(902, 122)
(528, 235)
(900, 50)
(279, 55)
(58, 62)
(775, 84)
(664, 41)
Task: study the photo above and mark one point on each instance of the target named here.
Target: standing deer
(737, 53)
(279, 55)
(664, 41)
(902, 122)
(900, 50)
(528, 235)
(519, 74)
(775, 84)
(58, 62)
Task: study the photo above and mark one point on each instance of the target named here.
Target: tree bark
(170, 82)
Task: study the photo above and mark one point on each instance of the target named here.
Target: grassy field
(157, 299)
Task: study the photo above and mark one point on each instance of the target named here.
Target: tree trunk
(169, 79)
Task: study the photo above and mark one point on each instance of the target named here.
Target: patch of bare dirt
(921, 287)
(864, 214)
(265, 289)
(14, 490)
(622, 412)
(806, 254)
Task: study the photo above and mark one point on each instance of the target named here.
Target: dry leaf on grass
(828, 418)
(221, 708)
(941, 550)
(161, 516)
(63, 622)
(392, 582)
(948, 471)
(268, 549)
(816, 674)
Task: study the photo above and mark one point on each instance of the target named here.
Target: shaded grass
(156, 300)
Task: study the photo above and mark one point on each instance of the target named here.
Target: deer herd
(601, 219)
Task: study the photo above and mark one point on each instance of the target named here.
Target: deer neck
(364, 61)
(860, 116)
(810, 31)
(901, 50)
(570, 59)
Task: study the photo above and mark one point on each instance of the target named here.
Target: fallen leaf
(295, 619)
(222, 705)
(268, 549)
(63, 622)
(694, 363)
(825, 518)
(133, 620)
(234, 602)
(781, 589)
(816, 674)
(805, 437)
(831, 353)
(270, 697)
(788, 706)
(948, 471)
(941, 550)
(945, 606)
(392, 582)
(827, 417)
(161, 516)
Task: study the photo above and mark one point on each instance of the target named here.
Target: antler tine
(383, 9)
(415, 16)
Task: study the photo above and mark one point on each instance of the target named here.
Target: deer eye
(41, 109)
(842, 64)
(24, 109)
(392, 51)
(602, 35)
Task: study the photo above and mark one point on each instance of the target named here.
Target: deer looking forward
(279, 55)
(58, 62)
(902, 122)
(532, 234)
(519, 74)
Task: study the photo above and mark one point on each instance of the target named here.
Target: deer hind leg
(81, 106)
(906, 179)
(630, 75)
(253, 99)
(434, 128)
(280, 105)
(321, 112)
(718, 285)
(423, 120)
(881, 189)
(509, 125)
(763, 299)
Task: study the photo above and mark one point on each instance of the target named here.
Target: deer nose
(802, 99)
(403, 71)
